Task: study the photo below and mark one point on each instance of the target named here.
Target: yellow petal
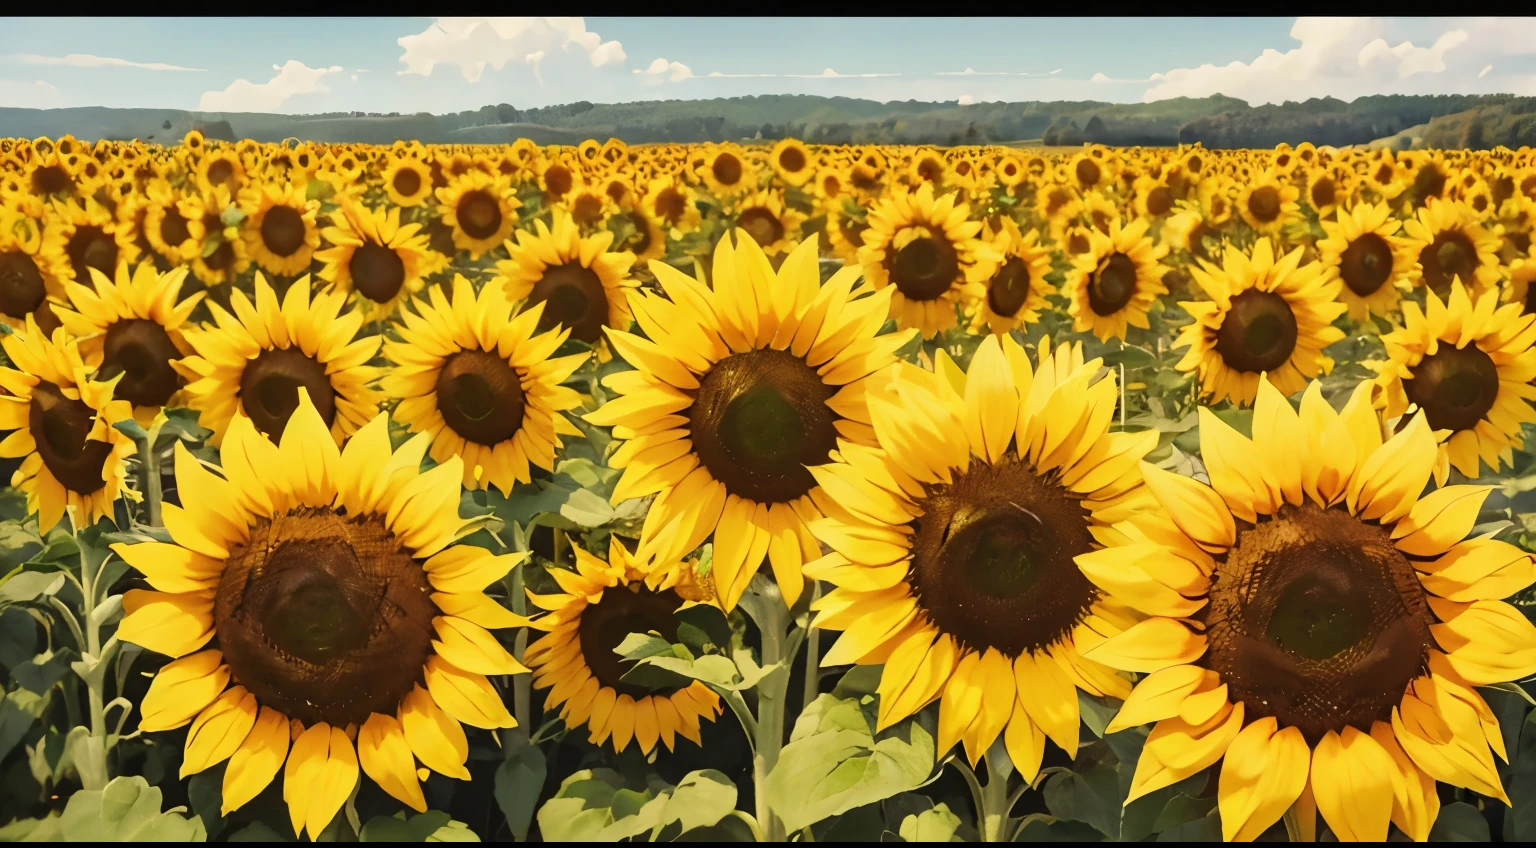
(1150, 645)
(467, 697)
(256, 761)
(1439, 520)
(434, 737)
(1049, 697)
(1352, 781)
(218, 730)
(472, 647)
(174, 625)
(386, 758)
(181, 690)
(1196, 508)
(1157, 697)
(1263, 773)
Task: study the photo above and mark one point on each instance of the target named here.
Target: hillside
(1216, 122)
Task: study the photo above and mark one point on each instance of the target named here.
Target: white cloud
(966, 100)
(1103, 78)
(292, 79)
(826, 74)
(474, 44)
(972, 72)
(1057, 71)
(36, 94)
(676, 71)
(1484, 71)
(86, 60)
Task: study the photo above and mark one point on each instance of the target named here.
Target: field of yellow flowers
(766, 493)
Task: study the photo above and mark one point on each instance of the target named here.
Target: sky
(311, 65)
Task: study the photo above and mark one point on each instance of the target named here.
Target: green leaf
(259, 832)
(702, 799)
(935, 825)
(835, 762)
(431, 826)
(127, 810)
(19, 710)
(1204, 829)
(28, 586)
(231, 216)
(1460, 822)
(205, 792)
(18, 638)
(519, 781)
(1091, 797)
(1042, 828)
(130, 428)
(587, 509)
(1520, 821)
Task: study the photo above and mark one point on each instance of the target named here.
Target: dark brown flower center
(1428, 182)
(1455, 386)
(1258, 333)
(377, 272)
(1159, 201)
(606, 624)
(758, 418)
(480, 397)
(1503, 188)
(173, 227)
(21, 284)
(91, 247)
(51, 179)
(727, 169)
(925, 268)
(792, 159)
(1324, 193)
(1087, 172)
(671, 205)
(762, 225)
(141, 351)
(558, 180)
(1056, 200)
(1010, 288)
(1315, 618)
(1264, 204)
(1077, 243)
(407, 182)
(1366, 264)
(993, 558)
(61, 427)
(1530, 298)
(587, 209)
(1112, 285)
(573, 297)
(282, 230)
(479, 214)
(1451, 256)
(269, 389)
(324, 616)
(220, 171)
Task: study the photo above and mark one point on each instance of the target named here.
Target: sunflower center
(480, 396)
(1113, 284)
(1264, 204)
(727, 169)
(925, 268)
(758, 419)
(1318, 620)
(792, 159)
(62, 429)
(573, 297)
(587, 209)
(269, 389)
(377, 272)
(407, 182)
(992, 558)
(853, 230)
(1077, 243)
(1197, 236)
(1258, 332)
(282, 230)
(1366, 264)
(558, 180)
(141, 351)
(1087, 172)
(604, 626)
(1530, 298)
(50, 179)
(1450, 256)
(173, 227)
(1159, 201)
(1100, 220)
(1324, 193)
(220, 171)
(1429, 182)
(324, 616)
(1503, 188)
(1010, 288)
(21, 284)
(671, 205)
(479, 214)
(762, 225)
(91, 247)
(1455, 386)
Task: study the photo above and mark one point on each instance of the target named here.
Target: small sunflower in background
(1115, 281)
(792, 161)
(670, 201)
(954, 544)
(845, 229)
(726, 171)
(255, 361)
(61, 425)
(928, 251)
(27, 280)
(484, 385)
(1268, 204)
(1363, 248)
(764, 216)
(78, 236)
(407, 181)
(219, 169)
(130, 330)
(1522, 285)
(578, 279)
(169, 234)
(479, 209)
(1318, 627)
(1450, 245)
(600, 604)
(221, 256)
(376, 256)
(1266, 314)
(1016, 292)
(279, 228)
(319, 613)
(1469, 365)
(737, 389)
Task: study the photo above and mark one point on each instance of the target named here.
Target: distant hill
(1216, 122)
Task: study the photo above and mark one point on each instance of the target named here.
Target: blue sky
(305, 65)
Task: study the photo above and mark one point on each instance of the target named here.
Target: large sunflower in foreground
(953, 545)
(1266, 315)
(483, 385)
(63, 431)
(319, 613)
(578, 279)
(600, 604)
(1116, 280)
(737, 389)
(928, 251)
(1372, 261)
(1016, 292)
(256, 359)
(1321, 630)
(1468, 365)
(130, 328)
(375, 256)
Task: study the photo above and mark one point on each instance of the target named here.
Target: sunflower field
(766, 493)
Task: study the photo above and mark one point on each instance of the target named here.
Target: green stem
(812, 656)
(770, 716)
(994, 803)
(95, 701)
(522, 708)
(149, 464)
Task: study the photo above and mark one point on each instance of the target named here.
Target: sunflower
(219, 169)
(928, 251)
(1268, 204)
(374, 256)
(764, 216)
(953, 545)
(169, 233)
(255, 361)
(1321, 629)
(1266, 314)
(577, 277)
(646, 240)
(557, 178)
(279, 227)
(80, 235)
(26, 279)
(407, 181)
(1372, 261)
(1016, 292)
(1087, 171)
(1522, 285)
(220, 257)
(600, 604)
(739, 388)
(1468, 364)
(130, 328)
(670, 201)
(479, 209)
(1115, 282)
(484, 387)
(792, 161)
(727, 172)
(928, 166)
(315, 596)
(61, 426)
(1450, 245)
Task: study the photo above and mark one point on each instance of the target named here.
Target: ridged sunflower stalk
(781, 637)
(992, 799)
(149, 468)
(86, 628)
